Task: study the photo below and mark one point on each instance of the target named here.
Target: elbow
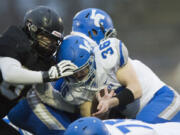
(136, 90)
(137, 93)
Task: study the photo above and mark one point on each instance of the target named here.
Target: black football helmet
(45, 29)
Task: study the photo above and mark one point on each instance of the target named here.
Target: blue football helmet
(77, 50)
(87, 126)
(94, 23)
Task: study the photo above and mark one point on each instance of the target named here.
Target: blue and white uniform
(43, 114)
(95, 126)
(50, 111)
(136, 127)
(21, 131)
(158, 102)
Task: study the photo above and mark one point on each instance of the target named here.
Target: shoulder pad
(14, 43)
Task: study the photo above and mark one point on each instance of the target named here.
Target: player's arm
(127, 77)
(13, 72)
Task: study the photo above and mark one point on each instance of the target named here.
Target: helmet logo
(60, 20)
(97, 18)
(31, 27)
(34, 28)
(86, 46)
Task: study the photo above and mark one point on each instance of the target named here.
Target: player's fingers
(106, 91)
(114, 94)
(101, 111)
(98, 96)
(111, 93)
(100, 106)
(65, 63)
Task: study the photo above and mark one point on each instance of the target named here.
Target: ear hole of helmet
(92, 33)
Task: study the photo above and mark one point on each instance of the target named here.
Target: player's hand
(62, 69)
(104, 102)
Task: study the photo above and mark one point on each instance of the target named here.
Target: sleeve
(123, 54)
(13, 72)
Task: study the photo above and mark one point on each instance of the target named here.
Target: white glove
(62, 69)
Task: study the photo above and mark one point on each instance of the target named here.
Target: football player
(95, 126)
(26, 55)
(52, 110)
(140, 93)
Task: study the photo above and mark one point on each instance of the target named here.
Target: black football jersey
(15, 43)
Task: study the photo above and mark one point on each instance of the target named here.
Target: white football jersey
(111, 55)
(135, 127)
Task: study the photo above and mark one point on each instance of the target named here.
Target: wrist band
(125, 97)
(45, 76)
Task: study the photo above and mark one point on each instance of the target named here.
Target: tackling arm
(13, 72)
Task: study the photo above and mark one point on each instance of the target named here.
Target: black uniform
(15, 43)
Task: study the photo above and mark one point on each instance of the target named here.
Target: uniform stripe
(43, 114)
(172, 109)
(121, 54)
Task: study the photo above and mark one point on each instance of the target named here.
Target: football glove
(62, 69)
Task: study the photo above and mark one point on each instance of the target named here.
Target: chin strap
(110, 34)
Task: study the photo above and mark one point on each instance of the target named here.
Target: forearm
(23, 76)
(13, 72)
(128, 78)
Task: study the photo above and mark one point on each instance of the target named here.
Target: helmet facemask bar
(83, 73)
(45, 42)
(109, 33)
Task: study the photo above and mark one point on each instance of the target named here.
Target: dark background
(149, 28)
